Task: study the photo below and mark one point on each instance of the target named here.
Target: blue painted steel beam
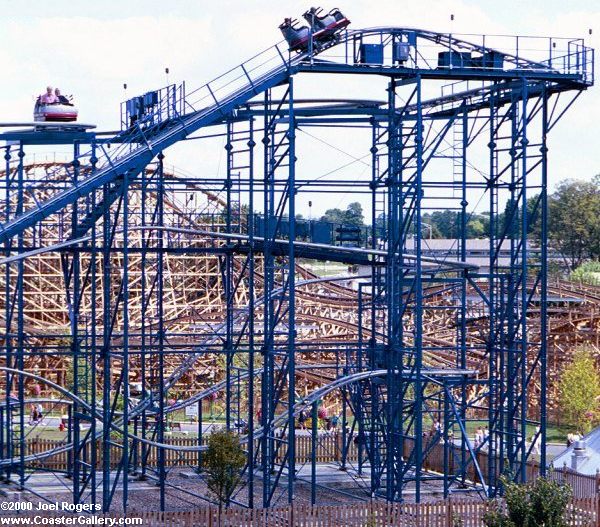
(179, 128)
(133, 163)
(575, 80)
(47, 138)
(382, 425)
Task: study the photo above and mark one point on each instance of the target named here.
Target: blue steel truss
(492, 92)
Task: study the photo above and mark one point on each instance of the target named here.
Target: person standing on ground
(478, 437)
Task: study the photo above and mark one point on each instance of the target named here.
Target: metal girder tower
(426, 348)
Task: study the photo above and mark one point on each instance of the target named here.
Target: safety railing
(415, 49)
(425, 50)
(395, 46)
(246, 77)
(141, 116)
(154, 107)
(408, 48)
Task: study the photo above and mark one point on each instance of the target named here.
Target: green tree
(587, 273)
(333, 216)
(534, 220)
(446, 223)
(542, 503)
(223, 462)
(573, 227)
(476, 228)
(507, 219)
(353, 215)
(580, 390)
(510, 220)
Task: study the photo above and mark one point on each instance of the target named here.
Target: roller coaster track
(279, 420)
(147, 402)
(241, 314)
(135, 148)
(139, 146)
(341, 251)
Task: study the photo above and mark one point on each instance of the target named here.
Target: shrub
(587, 273)
(223, 463)
(542, 503)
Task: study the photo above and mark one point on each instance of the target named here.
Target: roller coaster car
(63, 111)
(296, 36)
(325, 26)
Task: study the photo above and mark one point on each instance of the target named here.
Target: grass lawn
(326, 268)
(554, 434)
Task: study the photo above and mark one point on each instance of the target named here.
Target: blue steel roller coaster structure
(500, 98)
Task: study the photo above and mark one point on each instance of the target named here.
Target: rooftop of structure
(590, 464)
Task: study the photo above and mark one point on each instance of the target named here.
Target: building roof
(472, 244)
(587, 464)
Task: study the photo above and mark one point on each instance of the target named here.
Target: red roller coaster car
(63, 111)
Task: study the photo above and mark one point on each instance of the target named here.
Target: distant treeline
(573, 220)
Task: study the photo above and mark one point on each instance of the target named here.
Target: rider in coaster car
(48, 97)
(61, 99)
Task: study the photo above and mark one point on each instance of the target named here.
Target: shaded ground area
(186, 490)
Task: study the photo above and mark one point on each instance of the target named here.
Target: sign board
(191, 410)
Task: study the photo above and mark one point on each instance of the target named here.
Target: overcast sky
(90, 48)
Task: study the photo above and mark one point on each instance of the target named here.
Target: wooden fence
(583, 486)
(581, 513)
(328, 450)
